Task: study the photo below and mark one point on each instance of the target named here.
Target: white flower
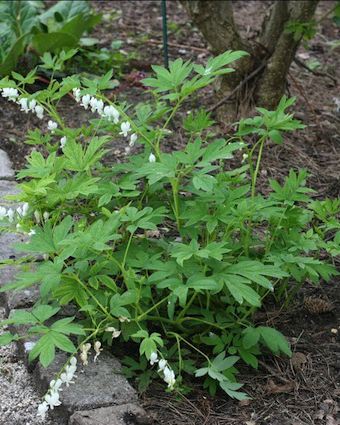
(85, 101)
(66, 378)
(46, 257)
(42, 410)
(161, 364)
(52, 399)
(71, 369)
(10, 92)
(31, 232)
(97, 349)
(133, 139)
(32, 104)
(3, 213)
(63, 141)
(153, 358)
(96, 105)
(85, 348)
(111, 113)
(37, 216)
(46, 215)
(76, 94)
(10, 215)
(115, 332)
(100, 106)
(169, 377)
(39, 110)
(244, 157)
(55, 385)
(124, 319)
(23, 102)
(125, 127)
(152, 158)
(52, 125)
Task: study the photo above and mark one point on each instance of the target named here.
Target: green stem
(100, 305)
(139, 318)
(174, 186)
(176, 335)
(258, 162)
(186, 308)
(126, 251)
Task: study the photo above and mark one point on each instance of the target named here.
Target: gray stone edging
(100, 391)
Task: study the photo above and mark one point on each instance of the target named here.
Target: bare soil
(303, 390)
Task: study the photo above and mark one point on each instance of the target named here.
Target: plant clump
(173, 252)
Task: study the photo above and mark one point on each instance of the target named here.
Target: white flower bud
(152, 158)
(85, 101)
(153, 358)
(10, 215)
(63, 141)
(161, 364)
(37, 216)
(133, 139)
(3, 213)
(39, 111)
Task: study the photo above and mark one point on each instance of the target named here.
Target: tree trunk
(274, 52)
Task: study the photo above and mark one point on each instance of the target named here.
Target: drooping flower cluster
(85, 348)
(108, 112)
(10, 213)
(51, 399)
(164, 369)
(26, 105)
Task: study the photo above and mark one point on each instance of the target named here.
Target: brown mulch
(303, 390)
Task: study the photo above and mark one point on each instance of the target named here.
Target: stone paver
(98, 384)
(7, 188)
(16, 299)
(126, 414)
(5, 165)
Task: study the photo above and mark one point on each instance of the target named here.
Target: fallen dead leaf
(245, 402)
(272, 388)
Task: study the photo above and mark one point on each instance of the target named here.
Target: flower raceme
(52, 398)
(169, 376)
(87, 101)
(24, 102)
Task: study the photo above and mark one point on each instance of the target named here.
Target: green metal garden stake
(165, 34)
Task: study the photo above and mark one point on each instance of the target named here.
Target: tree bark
(276, 46)
(215, 19)
(282, 47)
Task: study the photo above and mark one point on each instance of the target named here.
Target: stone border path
(100, 395)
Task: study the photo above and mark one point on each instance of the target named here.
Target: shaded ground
(301, 391)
